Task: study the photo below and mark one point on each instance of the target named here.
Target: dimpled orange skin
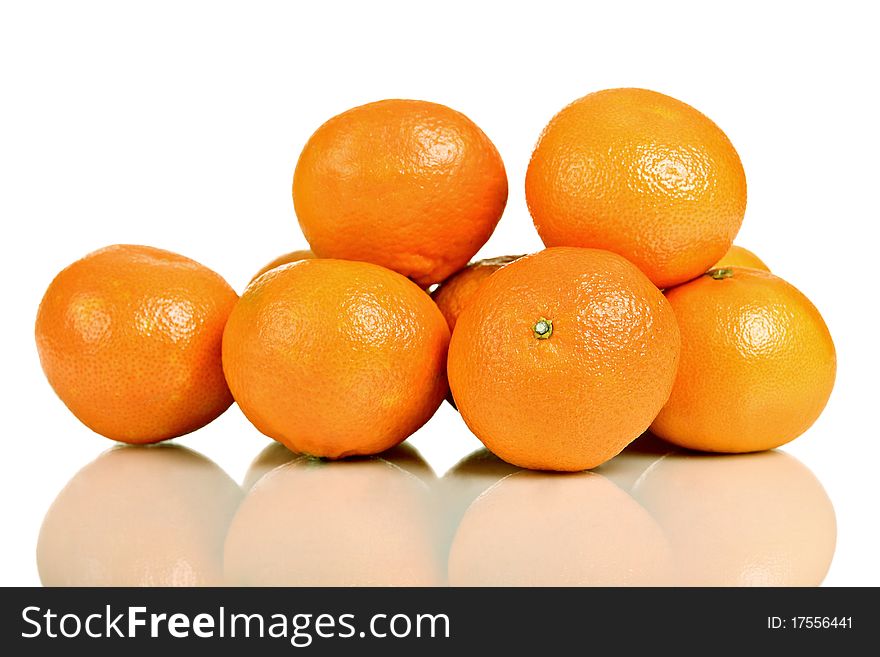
(335, 358)
(293, 256)
(411, 185)
(757, 363)
(573, 400)
(739, 256)
(641, 174)
(129, 338)
(455, 292)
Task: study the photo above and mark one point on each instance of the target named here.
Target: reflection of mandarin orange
(270, 457)
(360, 522)
(626, 468)
(129, 337)
(757, 363)
(139, 516)
(640, 174)
(275, 454)
(741, 520)
(738, 256)
(578, 529)
(414, 186)
(455, 292)
(293, 256)
(461, 485)
(335, 358)
(562, 358)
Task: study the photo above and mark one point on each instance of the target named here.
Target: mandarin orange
(640, 174)
(562, 358)
(335, 358)
(757, 363)
(293, 256)
(453, 294)
(129, 338)
(739, 256)
(411, 185)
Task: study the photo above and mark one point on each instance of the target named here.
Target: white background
(177, 124)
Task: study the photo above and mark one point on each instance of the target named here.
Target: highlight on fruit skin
(739, 256)
(562, 358)
(641, 174)
(284, 259)
(336, 358)
(407, 184)
(129, 339)
(757, 363)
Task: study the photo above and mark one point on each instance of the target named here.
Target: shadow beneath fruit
(139, 516)
(354, 522)
(654, 515)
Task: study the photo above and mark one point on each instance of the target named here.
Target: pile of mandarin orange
(639, 314)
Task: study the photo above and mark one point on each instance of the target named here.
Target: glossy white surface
(166, 515)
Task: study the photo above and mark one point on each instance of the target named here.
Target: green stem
(543, 328)
(719, 274)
